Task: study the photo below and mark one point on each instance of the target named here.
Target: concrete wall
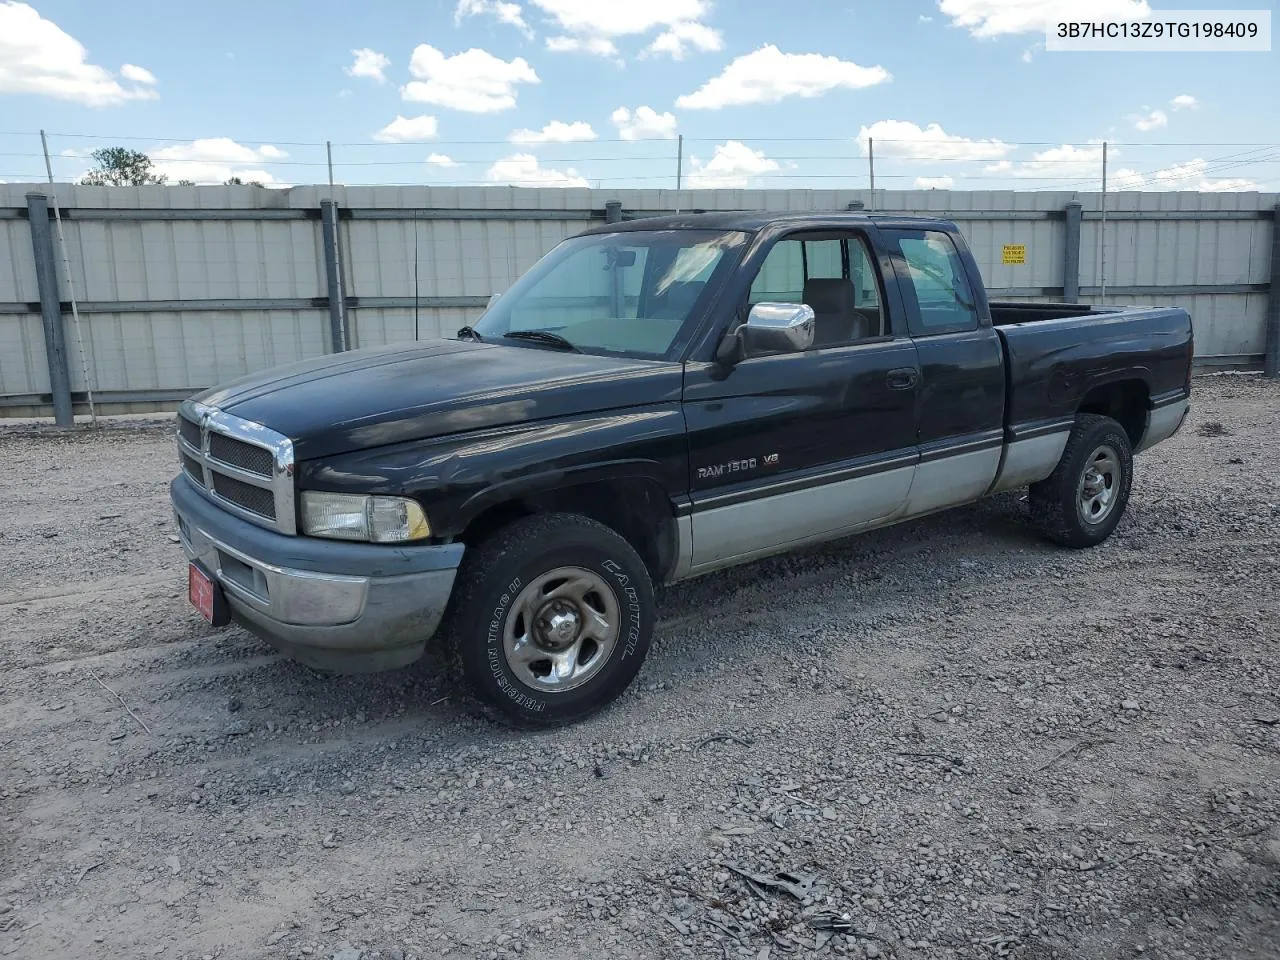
(183, 287)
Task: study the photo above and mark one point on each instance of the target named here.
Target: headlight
(346, 516)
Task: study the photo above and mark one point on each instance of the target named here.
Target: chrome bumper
(351, 607)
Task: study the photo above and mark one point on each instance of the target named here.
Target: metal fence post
(55, 344)
(332, 273)
(1271, 359)
(1071, 253)
(613, 211)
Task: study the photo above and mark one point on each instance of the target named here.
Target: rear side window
(936, 275)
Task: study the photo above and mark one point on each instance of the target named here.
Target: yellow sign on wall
(1015, 253)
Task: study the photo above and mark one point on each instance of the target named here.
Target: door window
(835, 276)
(939, 281)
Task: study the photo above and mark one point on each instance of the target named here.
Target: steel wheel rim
(562, 629)
(1099, 486)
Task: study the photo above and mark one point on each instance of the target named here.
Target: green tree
(238, 182)
(121, 167)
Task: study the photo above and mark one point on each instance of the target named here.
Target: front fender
(458, 477)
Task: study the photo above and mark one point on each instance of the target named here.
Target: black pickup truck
(653, 400)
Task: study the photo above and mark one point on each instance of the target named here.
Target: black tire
(1057, 502)
(511, 574)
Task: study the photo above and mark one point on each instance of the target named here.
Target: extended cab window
(632, 292)
(938, 279)
(834, 275)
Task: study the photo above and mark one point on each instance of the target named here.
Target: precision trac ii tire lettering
(551, 618)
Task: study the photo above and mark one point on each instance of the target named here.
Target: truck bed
(1008, 312)
(1057, 353)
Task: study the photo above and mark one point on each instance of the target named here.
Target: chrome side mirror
(770, 328)
(777, 328)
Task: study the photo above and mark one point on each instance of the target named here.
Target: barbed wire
(268, 161)
(852, 166)
(657, 139)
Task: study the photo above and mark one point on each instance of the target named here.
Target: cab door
(800, 447)
(962, 383)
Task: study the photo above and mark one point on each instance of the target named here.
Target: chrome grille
(193, 467)
(244, 467)
(189, 432)
(257, 499)
(237, 453)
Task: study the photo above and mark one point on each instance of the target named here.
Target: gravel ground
(946, 739)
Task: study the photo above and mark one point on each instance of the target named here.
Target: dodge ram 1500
(653, 400)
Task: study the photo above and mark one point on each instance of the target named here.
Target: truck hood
(371, 398)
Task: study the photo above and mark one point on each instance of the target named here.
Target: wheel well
(1125, 401)
(636, 509)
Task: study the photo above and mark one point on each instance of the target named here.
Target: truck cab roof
(754, 221)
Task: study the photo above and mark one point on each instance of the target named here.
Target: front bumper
(352, 607)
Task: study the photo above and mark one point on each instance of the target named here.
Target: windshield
(630, 293)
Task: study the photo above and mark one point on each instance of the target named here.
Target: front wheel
(552, 618)
(1080, 503)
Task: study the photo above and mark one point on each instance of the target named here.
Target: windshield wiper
(469, 333)
(542, 336)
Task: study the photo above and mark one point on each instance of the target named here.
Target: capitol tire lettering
(488, 595)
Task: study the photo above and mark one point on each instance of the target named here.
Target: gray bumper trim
(333, 605)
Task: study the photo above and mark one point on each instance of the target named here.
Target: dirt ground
(946, 739)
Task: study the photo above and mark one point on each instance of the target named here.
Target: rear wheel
(552, 618)
(1082, 501)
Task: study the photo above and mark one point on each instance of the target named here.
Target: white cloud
(370, 64)
(1225, 185)
(902, 138)
(441, 160)
(731, 167)
(509, 13)
(1190, 175)
(1029, 54)
(215, 160)
(221, 149)
(1000, 166)
(138, 74)
(597, 18)
(768, 75)
(405, 129)
(935, 183)
(680, 38)
(474, 81)
(522, 170)
(1067, 162)
(924, 19)
(557, 131)
(1125, 178)
(1184, 101)
(37, 56)
(599, 46)
(1150, 121)
(591, 26)
(644, 124)
(993, 18)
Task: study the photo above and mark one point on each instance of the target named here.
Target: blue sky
(955, 93)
